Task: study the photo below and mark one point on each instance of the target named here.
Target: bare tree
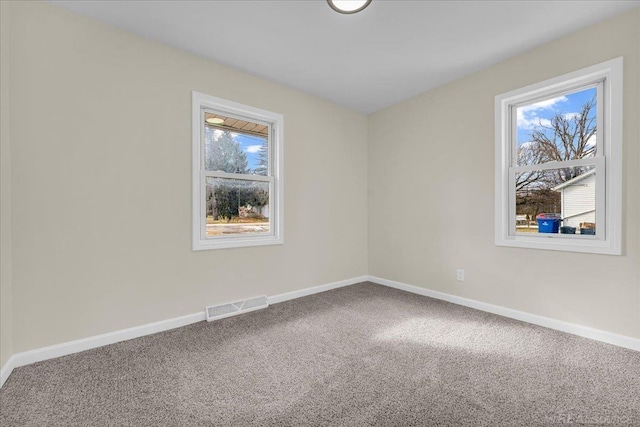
(564, 137)
(529, 154)
(567, 137)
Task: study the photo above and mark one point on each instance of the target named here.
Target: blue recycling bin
(548, 224)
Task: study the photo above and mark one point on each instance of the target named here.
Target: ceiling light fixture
(348, 6)
(215, 120)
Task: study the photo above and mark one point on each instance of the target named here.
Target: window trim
(201, 102)
(608, 159)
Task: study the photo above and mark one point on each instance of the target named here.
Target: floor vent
(221, 311)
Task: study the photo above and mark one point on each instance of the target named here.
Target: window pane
(236, 206)
(557, 129)
(559, 200)
(235, 146)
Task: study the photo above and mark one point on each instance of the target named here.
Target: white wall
(101, 167)
(431, 193)
(6, 341)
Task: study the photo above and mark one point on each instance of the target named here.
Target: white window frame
(275, 123)
(607, 77)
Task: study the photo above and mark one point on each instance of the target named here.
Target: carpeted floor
(364, 355)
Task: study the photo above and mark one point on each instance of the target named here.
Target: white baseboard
(560, 325)
(314, 290)
(58, 350)
(7, 369)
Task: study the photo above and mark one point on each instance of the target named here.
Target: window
(559, 162)
(237, 174)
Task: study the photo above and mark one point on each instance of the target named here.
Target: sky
(250, 144)
(530, 116)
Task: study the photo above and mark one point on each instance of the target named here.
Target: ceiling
(389, 52)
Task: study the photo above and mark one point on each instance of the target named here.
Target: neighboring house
(578, 199)
(248, 210)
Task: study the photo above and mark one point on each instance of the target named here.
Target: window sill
(236, 242)
(553, 242)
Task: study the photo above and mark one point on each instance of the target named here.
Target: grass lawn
(527, 230)
(237, 220)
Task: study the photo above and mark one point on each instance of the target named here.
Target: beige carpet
(363, 355)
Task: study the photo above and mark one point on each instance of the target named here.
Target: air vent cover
(221, 311)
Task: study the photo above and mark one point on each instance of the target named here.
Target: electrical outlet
(460, 275)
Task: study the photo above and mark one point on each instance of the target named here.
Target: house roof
(574, 180)
(238, 125)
